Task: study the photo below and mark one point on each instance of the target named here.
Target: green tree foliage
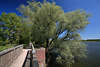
(2, 33)
(14, 29)
(25, 35)
(10, 27)
(48, 22)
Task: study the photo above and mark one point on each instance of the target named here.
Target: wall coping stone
(9, 50)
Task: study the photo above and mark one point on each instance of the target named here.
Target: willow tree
(25, 35)
(49, 21)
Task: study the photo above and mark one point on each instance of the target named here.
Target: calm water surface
(93, 59)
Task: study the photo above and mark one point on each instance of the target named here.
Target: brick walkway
(20, 60)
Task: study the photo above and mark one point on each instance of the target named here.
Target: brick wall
(40, 53)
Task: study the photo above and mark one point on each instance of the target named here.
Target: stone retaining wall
(8, 56)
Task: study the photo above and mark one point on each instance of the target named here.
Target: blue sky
(90, 6)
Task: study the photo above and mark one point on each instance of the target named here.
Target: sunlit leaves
(48, 22)
(11, 27)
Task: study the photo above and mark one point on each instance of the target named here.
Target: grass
(5, 47)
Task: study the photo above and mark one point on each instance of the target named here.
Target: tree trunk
(46, 52)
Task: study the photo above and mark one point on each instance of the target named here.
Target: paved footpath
(20, 60)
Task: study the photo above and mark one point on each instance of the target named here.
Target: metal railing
(33, 58)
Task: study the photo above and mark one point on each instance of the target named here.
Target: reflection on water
(93, 59)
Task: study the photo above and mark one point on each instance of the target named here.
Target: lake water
(93, 59)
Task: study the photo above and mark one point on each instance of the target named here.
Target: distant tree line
(92, 40)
